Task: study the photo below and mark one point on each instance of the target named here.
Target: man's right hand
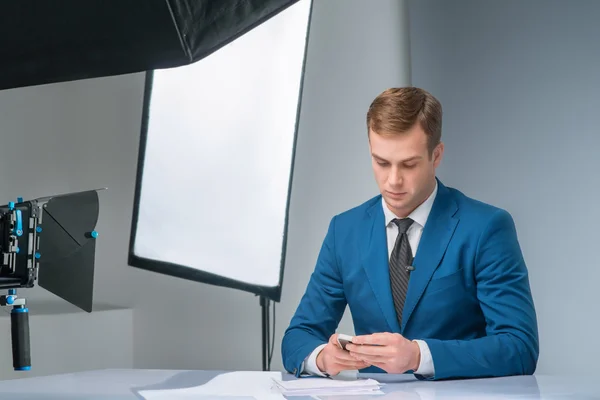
(332, 359)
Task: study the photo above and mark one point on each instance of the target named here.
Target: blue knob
(12, 291)
(18, 250)
(11, 205)
(19, 199)
(37, 255)
(38, 229)
(19, 227)
(94, 234)
(10, 299)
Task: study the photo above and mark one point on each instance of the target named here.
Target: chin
(399, 205)
(396, 204)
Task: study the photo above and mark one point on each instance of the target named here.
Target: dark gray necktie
(400, 259)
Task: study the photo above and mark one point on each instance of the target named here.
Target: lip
(393, 194)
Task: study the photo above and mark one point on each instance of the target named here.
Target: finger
(333, 339)
(356, 364)
(360, 339)
(367, 349)
(381, 365)
(371, 359)
(341, 356)
(375, 338)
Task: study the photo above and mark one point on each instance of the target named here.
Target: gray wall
(62, 138)
(519, 82)
(81, 135)
(511, 140)
(77, 136)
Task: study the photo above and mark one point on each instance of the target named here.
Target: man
(432, 277)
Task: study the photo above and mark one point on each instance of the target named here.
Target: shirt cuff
(426, 367)
(310, 364)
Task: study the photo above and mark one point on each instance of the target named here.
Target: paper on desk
(249, 384)
(328, 387)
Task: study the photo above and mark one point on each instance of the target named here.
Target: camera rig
(50, 240)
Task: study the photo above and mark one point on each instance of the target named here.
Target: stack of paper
(327, 387)
(243, 385)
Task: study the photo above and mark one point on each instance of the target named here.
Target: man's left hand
(391, 352)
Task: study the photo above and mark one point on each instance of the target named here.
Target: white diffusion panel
(218, 155)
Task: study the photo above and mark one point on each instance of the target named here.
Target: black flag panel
(45, 41)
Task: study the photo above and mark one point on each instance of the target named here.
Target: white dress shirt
(419, 216)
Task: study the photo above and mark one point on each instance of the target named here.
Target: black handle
(19, 327)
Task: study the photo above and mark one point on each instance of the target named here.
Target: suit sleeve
(320, 309)
(511, 345)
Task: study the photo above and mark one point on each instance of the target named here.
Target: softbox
(45, 41)
(216, 160)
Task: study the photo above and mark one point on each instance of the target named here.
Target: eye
(411, 165)
(382, 163)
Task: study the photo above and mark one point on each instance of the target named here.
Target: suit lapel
(436, 235)
(374, 260)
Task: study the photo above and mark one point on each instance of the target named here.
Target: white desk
(125, 385)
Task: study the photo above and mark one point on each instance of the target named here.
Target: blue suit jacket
(469, 296)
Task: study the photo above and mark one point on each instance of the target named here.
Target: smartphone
(343, 340)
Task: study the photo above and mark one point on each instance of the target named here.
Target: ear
(438, 154)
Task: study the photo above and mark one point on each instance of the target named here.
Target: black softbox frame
(45, 42)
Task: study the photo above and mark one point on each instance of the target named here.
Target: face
(404, 169)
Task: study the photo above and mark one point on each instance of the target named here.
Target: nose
(395, 177)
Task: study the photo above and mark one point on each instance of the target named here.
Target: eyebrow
(413, 158)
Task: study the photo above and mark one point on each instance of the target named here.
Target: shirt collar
(419, 215)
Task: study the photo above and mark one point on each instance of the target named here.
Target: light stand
(265, 304)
